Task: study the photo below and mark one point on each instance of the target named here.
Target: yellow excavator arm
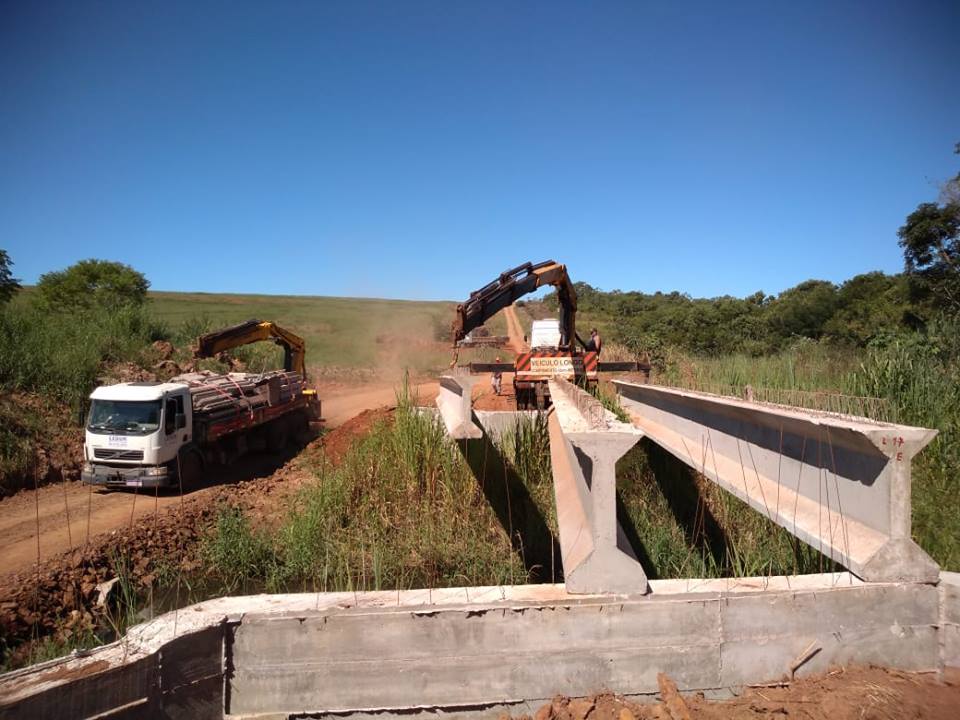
(294, 350)
(510, 287)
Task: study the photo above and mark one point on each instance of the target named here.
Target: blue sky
(417, 149)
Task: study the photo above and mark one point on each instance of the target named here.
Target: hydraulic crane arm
(510, 287)
(294, 350)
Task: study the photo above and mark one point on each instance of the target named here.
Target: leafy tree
(930, 239)
(868, 305)
(92, 284)
(803, 310)
(8, 284)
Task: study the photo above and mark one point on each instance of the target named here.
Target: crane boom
(513, 284)
(251, 331)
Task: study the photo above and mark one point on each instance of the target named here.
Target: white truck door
(175, 434)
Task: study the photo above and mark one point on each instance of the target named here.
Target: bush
(61, 354)
(92, 284)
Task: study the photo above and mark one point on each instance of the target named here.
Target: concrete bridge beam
(456, 408)
(839, 483)
(585, 443)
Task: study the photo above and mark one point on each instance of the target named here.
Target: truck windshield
(124, 417)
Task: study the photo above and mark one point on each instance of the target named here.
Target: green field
(382, 335)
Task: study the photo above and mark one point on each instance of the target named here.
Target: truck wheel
(276, 435)
(541, 397)
(300, 429)
(191, 470)
(521, 396)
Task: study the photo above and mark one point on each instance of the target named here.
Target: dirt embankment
(854, 693)
(40, 442)
(159, 538)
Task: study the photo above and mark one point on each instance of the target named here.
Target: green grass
(339, 332)
(61, 355)
(402, 510)
(680, 524)
(685, 525)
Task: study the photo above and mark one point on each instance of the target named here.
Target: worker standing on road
(496, 379)
(594, 343)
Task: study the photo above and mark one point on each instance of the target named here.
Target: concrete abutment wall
(477, 647)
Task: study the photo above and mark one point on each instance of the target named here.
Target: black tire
(191, 471)
(300, 433)
(521, 396)
(276, 435)
(541, 401)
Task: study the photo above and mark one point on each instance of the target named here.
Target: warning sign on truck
(562, 365)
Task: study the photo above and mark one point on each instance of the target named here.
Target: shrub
(61, 354)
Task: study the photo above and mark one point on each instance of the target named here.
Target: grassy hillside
(384, 335)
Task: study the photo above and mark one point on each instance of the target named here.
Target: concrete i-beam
(456, 407)
(839, 483)
(585, 443)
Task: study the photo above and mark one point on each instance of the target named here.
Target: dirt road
(514, 330)
(90, 512)
(342, 403)
(93, 511)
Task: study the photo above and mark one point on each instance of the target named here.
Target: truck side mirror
(181, 421)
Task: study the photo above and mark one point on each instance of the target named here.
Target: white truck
(153, 434)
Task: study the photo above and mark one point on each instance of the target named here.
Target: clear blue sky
(415, 150)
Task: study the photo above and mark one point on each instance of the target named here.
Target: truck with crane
(554, 351)
(163, 434)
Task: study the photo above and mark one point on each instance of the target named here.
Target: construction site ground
(70, 528)
(147, 525)
(61, 516)
(853, 693)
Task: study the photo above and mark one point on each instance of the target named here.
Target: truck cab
(135, 432)
(545, 334)
(546, 361)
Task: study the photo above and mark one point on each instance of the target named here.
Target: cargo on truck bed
(150, 434)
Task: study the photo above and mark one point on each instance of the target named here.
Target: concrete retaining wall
(950, 618)
(484, 646)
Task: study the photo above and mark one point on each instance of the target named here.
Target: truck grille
(110, 454)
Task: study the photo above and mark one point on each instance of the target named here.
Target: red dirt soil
(853, 693)
(514, 331)
(56, 450)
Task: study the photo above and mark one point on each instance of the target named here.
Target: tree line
(858, 312)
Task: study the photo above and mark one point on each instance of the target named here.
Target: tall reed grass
(402, 510)
(61, 354)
